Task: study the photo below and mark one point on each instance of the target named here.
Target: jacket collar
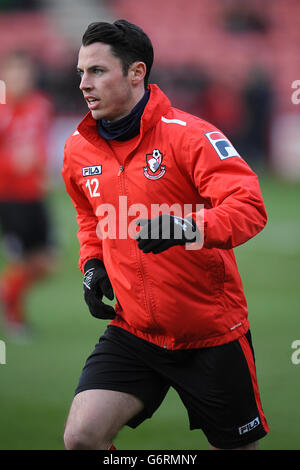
(157, 106)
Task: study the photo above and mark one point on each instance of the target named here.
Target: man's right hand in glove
(96, 284)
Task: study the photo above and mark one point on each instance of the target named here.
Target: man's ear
(137, 72)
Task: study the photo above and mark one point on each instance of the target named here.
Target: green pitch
(38, 379)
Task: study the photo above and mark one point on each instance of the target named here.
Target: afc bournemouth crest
(154, 169)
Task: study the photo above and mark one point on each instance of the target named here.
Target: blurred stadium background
(233, 63)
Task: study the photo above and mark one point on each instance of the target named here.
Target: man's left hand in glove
(163, 232)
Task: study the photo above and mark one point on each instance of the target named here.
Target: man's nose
(85, 83)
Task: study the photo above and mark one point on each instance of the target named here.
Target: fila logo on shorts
(248, 427)
(221, 144)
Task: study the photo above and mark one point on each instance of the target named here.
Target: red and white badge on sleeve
(222, 145)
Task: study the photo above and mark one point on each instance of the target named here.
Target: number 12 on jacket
(93, 186)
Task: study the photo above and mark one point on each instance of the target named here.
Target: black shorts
(217, 385)
(25, 227)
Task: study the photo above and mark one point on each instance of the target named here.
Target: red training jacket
(24, 129)
(181, 298)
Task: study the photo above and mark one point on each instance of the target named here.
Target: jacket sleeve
(90, 243)
(234, 208)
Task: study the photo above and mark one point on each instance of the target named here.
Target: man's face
(18, 75)
(108, 93)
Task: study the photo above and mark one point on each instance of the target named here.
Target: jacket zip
(121, 169)
(121, 176)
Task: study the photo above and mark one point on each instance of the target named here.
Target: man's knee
(83, 437)
(95, 418)
(74, 439)
(86, 432)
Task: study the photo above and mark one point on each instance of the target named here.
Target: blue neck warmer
(127, 127)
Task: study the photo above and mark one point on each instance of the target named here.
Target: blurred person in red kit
(25, 120)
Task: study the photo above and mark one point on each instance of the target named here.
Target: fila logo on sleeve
(221, 144)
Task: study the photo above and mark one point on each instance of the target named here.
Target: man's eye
(79, 73)
(98, 71)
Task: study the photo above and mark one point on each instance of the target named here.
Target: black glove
(165, 231)
(96, 284)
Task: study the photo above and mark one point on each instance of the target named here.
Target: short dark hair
(128, 42)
